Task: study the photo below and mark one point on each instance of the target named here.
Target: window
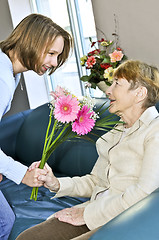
(72, 15)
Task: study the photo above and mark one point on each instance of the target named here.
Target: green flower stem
(60, 139)
(47, 132)
(46, 146)
(60, 134)
(49, 147)
(51, 135)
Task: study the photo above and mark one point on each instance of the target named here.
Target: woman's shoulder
(149, 115)
(4, 58)
(6, 68)
(152, 124)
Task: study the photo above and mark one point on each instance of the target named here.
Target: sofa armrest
(138, 222)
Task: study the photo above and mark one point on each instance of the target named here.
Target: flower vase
(102, 86)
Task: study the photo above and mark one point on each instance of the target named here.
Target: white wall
(5, 20)
(138, 26)
(19, 9)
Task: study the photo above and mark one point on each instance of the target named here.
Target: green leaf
(106, 60)
(85, 78)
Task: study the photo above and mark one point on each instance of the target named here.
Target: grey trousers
(53, 229)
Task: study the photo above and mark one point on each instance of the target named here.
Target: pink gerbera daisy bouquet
(69, 118)
(101, 61)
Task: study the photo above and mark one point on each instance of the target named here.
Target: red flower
(102, 40)
(93, 43)
(95, 52)
(119, 49)
(105, 65)
(90, 62)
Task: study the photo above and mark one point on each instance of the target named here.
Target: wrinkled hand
(1, 177)
(72, 215)
(50, 181)
(31, 177)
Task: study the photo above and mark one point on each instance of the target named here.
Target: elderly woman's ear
(141, 94)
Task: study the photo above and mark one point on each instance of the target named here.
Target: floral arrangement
(101, 62)
(70, 118)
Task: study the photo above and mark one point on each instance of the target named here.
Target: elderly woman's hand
(72, 215)
(50, 181)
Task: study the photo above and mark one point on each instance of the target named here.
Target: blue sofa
(22, 137)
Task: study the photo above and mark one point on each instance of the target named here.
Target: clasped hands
(46, 178)
(36, 177)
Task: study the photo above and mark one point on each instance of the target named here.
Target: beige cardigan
(127, 169)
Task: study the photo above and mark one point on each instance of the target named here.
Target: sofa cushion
(30, 138)
(9, 128)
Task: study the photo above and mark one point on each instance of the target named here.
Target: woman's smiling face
(122, 98)
(51, 59)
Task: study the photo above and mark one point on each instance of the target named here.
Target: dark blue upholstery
(9, 128)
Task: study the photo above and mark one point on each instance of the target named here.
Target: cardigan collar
(146, 118)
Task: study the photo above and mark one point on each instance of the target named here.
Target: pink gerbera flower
(90, 62)
(66, 108)
(83, 124)
(116, 56)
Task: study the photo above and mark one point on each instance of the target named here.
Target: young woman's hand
(31, 177)
(33, 166)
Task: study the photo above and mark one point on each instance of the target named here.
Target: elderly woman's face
(122, 99)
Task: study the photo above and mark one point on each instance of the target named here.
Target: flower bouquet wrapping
(101, 62)
(70, 118)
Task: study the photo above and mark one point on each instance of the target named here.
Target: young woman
(127, 168)
(37, 44)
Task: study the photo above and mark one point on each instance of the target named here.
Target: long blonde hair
(32, 37)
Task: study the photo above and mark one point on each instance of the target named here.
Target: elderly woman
(127, 168)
